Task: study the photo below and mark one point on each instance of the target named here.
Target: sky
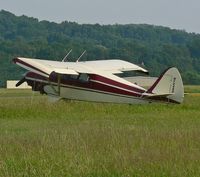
(176, 14)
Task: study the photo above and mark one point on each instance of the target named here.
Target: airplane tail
(169, 86)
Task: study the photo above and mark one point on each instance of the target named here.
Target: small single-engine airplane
(97, 81)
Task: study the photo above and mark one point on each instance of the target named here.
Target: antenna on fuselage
(65, 58)
(80, 56)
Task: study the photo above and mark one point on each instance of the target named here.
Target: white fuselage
(76, 93)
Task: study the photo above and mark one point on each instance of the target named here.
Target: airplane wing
(113, 66)
(106, 68)
(46, 67)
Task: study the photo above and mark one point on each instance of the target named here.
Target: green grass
(17, 93)
(192, 89)
(72, 138)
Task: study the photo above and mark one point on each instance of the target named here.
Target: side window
(73, 76)
(83, 77)
(68, 77)
(64, 77)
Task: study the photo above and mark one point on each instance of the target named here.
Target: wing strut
(65, 58)
(80, 56)
(59, 78)
(56, 91)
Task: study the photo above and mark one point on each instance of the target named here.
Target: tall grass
(192, 89)
(73, 138)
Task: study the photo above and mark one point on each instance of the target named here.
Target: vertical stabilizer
(170, 82)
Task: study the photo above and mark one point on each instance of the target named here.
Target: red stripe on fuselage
(103, 86)
(114, 83)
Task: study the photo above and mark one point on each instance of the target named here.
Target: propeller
(20, 82)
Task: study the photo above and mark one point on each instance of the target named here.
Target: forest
(156, 47)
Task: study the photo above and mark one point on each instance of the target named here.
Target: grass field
(74, 138)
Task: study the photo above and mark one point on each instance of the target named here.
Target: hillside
(157, 47)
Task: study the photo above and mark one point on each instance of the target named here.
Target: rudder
(169, 82)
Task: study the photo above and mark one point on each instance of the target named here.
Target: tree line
(156, 46)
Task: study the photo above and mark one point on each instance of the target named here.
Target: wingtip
(14, 60)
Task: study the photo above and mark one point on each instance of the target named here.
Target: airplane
(98, 81)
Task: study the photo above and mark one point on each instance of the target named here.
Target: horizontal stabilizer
(158, 95)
